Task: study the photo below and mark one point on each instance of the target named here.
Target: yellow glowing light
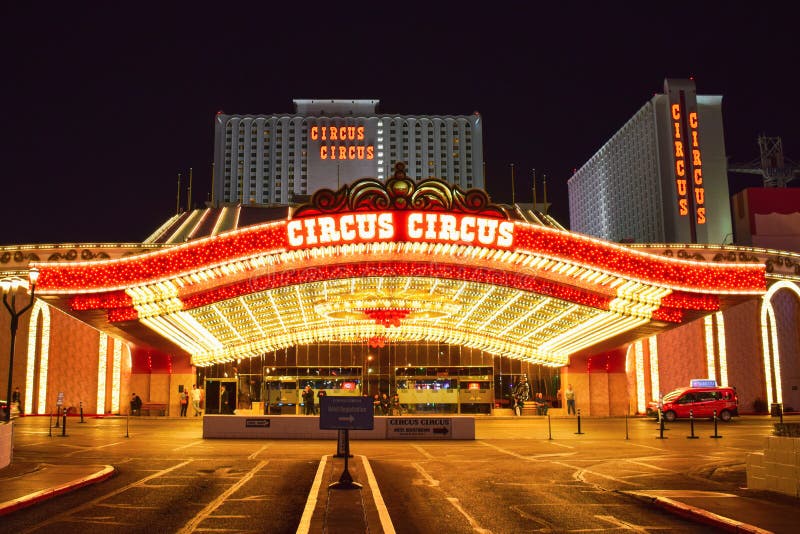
(723, 354)
(115, 375)
(39, 308)
(641, 404)
(655, 386)
(102, 369)
(708, 329)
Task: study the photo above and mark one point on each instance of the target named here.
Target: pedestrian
(385, 404)
(308, 400)
(136, 404)
(520, 394)
(569, 396)
(394, 405)
(376, 404)
(320, 395)
(183, 398)
(225, 406)
(197, 396)
(16, 398)
(541, 404)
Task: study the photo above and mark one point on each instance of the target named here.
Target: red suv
(702, 402)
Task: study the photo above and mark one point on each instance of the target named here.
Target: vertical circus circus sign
(400, 210)
(687, 157)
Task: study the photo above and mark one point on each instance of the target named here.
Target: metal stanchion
(691, 423)
(715, 426)
(780, 412)
(81, 407)
(579, 422)
(127, 419)
(64, 425)
(549, 428)
(50, 426)
(660, 425)
(346, 479)
(341, 445)
(626, 422)
(58, 415)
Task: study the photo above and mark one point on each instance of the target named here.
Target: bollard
(81, 407)
(626, 423)
(660, 425)
(579, 422)
(58, 415)
(549, 428)
(127, 419)
(780, 412)
(691, 424)
(50, 426)
(715, 426)
(64, 425)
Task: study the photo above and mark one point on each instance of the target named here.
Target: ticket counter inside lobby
(445, 390)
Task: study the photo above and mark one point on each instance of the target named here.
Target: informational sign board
(256, 423)
(346, 413)
(419, 428)
(60, 399)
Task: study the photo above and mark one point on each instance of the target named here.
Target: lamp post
(365, 374)
(10, 285)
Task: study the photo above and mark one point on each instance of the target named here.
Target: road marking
(423, 452)
(192, 444)
(216, 503)
(383, 513)
(431, 481)
(311, 502)
(624, 525)
(71, 513)
(474, 524)
(259, 451)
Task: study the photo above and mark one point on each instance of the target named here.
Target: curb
(42, 495)
(697, 514)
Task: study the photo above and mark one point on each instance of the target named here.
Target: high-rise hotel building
(284, 158)
(662, 177)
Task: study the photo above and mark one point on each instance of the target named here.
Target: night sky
(105, 105)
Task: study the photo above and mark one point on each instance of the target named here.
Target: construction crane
(775, 169)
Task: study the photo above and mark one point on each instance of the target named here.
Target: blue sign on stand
(346, 413)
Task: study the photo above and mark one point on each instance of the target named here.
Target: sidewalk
(24, 484)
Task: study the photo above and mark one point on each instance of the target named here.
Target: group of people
(381, 403)
(384, 405)
(522, 393)
(309, 405)
(195, 396)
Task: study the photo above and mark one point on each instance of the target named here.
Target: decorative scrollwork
(399, 193)
(72, 255)
(690, 256)
(18, 256)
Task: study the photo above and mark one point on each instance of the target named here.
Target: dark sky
(105, 105)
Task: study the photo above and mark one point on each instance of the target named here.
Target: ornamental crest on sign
(399, 193)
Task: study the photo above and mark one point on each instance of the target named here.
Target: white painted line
(311, 502)
(474, 524)
(191, 526)
(192, 444)
(422, 451)
(383, 513)
(259, 451)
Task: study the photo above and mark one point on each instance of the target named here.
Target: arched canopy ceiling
(393, 262)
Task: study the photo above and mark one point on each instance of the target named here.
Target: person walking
(197, 396)
(320, 395)
(569, 396)
(520, 394)
(183, 398)
(308, 400)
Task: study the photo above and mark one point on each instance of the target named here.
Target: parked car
(701, 402)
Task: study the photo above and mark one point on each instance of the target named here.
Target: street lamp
(365, 374)
(10, 285)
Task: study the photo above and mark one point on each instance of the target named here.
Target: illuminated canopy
(394, 262)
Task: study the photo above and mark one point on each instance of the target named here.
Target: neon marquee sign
(341, 143)
(400, 226)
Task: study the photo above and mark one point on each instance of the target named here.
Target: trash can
(776, 409)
